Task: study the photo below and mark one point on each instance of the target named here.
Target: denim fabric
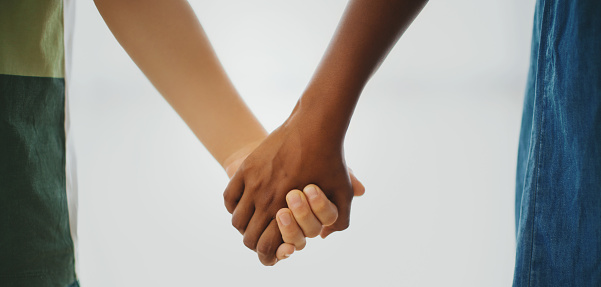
(558, 183)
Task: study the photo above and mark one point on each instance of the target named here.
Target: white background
(434, 140)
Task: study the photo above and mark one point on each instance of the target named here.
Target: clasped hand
(272, 176)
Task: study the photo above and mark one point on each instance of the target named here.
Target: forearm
(166, 41)
(365, 35)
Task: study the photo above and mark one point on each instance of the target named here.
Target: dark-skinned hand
(291, 157)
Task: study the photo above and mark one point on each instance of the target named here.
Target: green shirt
(37, 206)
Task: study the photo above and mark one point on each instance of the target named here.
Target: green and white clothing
(37, 180)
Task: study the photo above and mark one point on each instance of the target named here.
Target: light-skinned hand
(307, 213)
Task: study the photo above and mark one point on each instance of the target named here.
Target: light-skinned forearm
(365, 35)
(167, 42)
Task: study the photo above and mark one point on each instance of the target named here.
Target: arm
(308, 147)
(166, 41)
(364, 37)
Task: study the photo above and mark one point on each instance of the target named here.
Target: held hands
(292, 157)
(304, 218)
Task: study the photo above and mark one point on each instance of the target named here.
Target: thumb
(358, 188)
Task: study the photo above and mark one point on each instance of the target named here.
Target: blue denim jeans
(558, 183)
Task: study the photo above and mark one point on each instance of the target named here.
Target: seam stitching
(541, 91)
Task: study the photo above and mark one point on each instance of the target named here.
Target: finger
(302, 213)
(233, 192)
(358, 188)
(326, 231)
(241, 217)
(291, 232)
(322, 207)
(343, 201)
(257, 225)
(243, 213)
(269, 243)
(284, 251)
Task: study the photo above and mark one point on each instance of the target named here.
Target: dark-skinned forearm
(365, 35)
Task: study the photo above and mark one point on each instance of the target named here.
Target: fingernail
(311, 192)
(294, 200)
(285, 218)
(287, 255)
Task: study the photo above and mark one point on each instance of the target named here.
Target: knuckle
(267, 199)
(253, 184)
(228, 198)
(266, 250)
(270, 261)
(249, 242)
(238, 224)
(302, 212)
(226, 195)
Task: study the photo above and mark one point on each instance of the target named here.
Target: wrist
(236, 158)
(323, 116)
